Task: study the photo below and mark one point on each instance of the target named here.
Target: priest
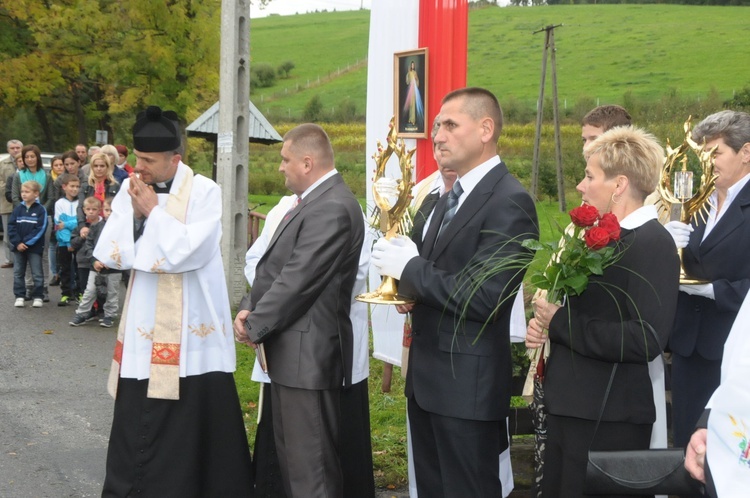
(177, 427)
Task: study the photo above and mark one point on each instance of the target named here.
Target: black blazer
(702, 324)
(603, 326)
(459, 360)
(302, 291)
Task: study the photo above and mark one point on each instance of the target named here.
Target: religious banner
(440, 27)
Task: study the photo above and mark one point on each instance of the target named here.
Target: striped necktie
(294, 205)
(452, 204)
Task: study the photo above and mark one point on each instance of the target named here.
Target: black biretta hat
(156, 131)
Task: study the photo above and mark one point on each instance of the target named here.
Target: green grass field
(605, 54)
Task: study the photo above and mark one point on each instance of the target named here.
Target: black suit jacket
(459, 361)
(702, 324)
(604, 326)
(302, 291)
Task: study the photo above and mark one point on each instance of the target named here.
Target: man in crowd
(458, 380)
(86, 168)
(298, 313)
(173, 363)
(81, 152)
(7, 168)
(600, 119)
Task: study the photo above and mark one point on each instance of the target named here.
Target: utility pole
(549, 44)
(232, 141)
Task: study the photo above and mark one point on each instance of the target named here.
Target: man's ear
(309, 163)
(488, 129)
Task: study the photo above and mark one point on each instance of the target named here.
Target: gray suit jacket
(302, 291)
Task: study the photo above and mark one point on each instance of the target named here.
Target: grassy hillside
(603, 52)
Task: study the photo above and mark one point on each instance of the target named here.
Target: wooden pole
(558, 140)
(549, 43)
(539, 115)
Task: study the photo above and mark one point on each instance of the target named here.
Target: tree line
(78, 65)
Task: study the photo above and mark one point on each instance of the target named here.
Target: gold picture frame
(410, 85)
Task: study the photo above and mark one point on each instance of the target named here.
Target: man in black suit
(298, 310)
(458, 382)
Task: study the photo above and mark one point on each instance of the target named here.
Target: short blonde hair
(632, 152)
(92, 202)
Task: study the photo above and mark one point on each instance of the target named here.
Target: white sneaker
(19, 302)
(37, 303)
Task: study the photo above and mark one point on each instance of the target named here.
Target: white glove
(391, 256)
(703, 290)
(680, 232)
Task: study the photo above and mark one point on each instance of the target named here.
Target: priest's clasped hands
(143, 196)
(391, 256)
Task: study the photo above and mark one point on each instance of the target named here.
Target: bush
(740, 101)
(285, 68)
(346, 111)
(262, 75)
(515, 111)
(313, 109)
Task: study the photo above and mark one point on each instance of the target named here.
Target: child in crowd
(91, 209)
(57, 169)
(66, 220)
(84, 312)
(26, 228)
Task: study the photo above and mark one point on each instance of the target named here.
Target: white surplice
(169, 246)
(728, 441)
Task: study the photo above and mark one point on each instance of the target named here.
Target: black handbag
(638, 472)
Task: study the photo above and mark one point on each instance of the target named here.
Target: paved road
(55, 413)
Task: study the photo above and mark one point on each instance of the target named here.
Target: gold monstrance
(392, 199)
(678, 198)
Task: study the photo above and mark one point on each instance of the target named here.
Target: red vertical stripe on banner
(443, 28)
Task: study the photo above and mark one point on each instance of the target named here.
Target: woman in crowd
(716, 252)
(32, 170)
(57, 168)
(113, 156)
(101, 183)
(616, 326)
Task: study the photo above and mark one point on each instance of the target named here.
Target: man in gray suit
(298, 310)
(458, 381)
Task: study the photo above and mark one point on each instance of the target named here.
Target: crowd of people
(44, 212)
(172, 371)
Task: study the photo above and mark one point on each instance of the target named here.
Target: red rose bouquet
(583, 251)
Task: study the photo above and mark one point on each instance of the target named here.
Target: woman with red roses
(622, 318)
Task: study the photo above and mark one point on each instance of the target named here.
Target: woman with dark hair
(602, 340)
(32, 170)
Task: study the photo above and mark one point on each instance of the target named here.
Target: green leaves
(572, 263)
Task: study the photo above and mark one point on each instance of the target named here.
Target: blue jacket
(65, 213)
(28, 225)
